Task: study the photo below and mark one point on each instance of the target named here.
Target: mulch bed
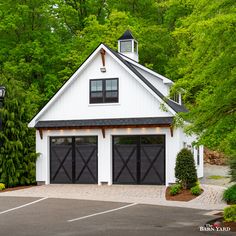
(16, 188)
(231, 225)
(184, 196)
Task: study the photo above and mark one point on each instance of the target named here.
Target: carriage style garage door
(139, 159)
(73, 160)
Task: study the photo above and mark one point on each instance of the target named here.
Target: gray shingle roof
(176, 107)
(127, 35)
(105, 122)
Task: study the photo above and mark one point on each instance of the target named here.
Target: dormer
(128, 46)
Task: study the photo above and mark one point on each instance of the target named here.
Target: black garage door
(73, 160)
(139, 159)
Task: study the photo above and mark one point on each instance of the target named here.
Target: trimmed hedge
(230, 214)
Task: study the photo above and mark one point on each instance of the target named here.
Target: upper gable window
(104, 91)
(126, 46)
(175, 97)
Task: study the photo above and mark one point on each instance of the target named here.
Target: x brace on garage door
(139, 159)
(73, 160)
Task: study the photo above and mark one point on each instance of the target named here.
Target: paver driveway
(145, 194)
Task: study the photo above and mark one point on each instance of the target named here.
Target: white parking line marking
(30, 203)
(103, 212)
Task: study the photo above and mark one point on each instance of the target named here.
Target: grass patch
(217, 177)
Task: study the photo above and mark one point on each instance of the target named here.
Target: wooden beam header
(103, 128)
(103, 52)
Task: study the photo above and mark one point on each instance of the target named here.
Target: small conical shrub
(185, 170)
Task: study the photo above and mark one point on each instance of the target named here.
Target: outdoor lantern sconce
(2, 92)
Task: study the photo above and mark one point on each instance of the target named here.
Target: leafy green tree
(17, 152)
(32, 43)
(73, 13)
(145, 9)
(206, 68)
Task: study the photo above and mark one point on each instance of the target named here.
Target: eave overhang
(103, 124)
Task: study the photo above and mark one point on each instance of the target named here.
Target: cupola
(128, 46)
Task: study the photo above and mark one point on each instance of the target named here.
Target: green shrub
(2, 186)
(185, 170)
(196, 190)
(175, 189)
(230, 214)
(230, 194)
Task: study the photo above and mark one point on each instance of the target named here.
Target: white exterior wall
(105, 150)
(134, 99)
(157, 82)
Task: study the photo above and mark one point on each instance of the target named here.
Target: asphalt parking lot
(22, 216)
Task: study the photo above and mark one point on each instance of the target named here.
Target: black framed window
(104, 91)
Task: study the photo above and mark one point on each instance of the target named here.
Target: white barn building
(106, 124)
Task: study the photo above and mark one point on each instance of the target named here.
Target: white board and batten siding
(134, 100)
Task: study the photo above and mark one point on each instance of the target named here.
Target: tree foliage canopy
(206, 69)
